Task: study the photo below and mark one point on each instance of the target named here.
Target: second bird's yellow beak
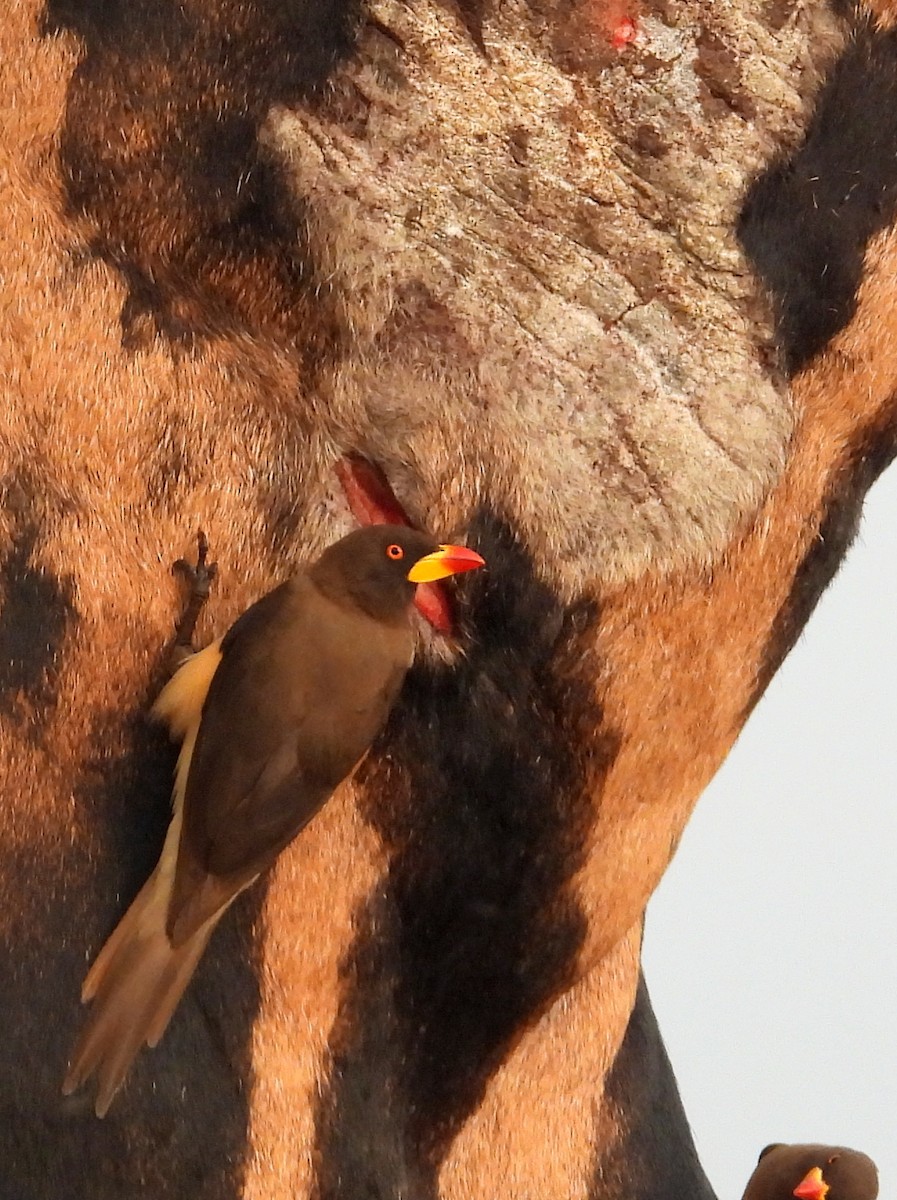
(812, 1186)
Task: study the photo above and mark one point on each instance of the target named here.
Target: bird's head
(812, 1172)
(379, 567)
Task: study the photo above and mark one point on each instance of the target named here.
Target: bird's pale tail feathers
(140, 974)
(135, 985)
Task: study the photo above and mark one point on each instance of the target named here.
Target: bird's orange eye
(395, 552)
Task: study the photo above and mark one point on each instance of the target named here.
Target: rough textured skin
(534, 279)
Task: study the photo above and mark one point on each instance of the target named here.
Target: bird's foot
(199, 580)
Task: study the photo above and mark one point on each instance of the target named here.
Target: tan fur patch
(308, 924)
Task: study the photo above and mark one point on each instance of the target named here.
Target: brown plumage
(272, 718)
(812, 1172)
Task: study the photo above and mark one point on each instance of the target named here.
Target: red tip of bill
(460, 558)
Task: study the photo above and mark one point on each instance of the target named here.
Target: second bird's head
(380, 566)
(812, 1172)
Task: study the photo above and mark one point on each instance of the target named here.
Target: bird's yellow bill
(812, 1186)
(447, 560)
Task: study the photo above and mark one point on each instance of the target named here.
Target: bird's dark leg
(199, 579)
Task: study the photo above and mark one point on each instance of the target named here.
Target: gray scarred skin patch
(538, 296)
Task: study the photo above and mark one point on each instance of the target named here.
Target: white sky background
(771, 944)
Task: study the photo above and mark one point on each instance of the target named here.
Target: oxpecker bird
(272, 718)
(811, 1172)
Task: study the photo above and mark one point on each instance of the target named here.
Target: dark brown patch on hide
(162, 167)
(656, 1158)
(479, 793)
(649, 142)
(838, 526)
(36, 612)
(364, 1118)
(807, 220)
(422, 325)
(178, 1128)
(851, 10)
(719, 70)
(778, 13)
(172, 465)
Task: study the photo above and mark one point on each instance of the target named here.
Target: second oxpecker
(812, 1172)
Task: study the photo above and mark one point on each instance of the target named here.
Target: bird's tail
(135, 985)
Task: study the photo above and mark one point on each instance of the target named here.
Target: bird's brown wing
(272, 719)
(303, 687)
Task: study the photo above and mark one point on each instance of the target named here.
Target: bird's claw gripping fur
(199, 579)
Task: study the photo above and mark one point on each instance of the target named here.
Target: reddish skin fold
(373, 502)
